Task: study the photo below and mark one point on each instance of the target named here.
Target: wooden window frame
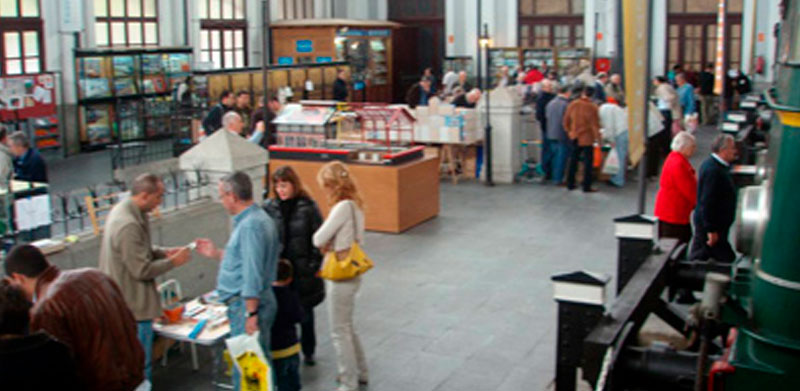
(551, 21)
(21, 24)
(142, 20)
(682, 20)
(220, 24)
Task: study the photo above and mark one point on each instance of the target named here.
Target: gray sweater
(554, 112)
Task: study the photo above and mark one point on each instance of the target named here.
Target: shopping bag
(598, 156)
(612, 164)
(249, 359)
(691, 122)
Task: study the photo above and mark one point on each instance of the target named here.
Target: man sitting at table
(127, 255)
(28, 163)
(85, 310)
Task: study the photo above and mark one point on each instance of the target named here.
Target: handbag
(353, 265)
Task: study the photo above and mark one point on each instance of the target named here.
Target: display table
(396, 198)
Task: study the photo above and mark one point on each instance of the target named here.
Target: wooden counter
(396, 198)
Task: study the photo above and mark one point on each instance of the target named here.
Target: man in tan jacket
(582, 122)
(127, 255)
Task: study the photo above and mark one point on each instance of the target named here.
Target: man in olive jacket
(129, 258)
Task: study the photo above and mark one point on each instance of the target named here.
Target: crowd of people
(93, 327)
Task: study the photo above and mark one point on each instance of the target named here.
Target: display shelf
(116, 88)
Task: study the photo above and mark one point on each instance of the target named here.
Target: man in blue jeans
(556, 136)
(249, 263)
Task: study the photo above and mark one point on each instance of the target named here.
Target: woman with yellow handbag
(340, 237)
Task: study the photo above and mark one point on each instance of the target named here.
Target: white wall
(766, 16)
(607, 25)
(658, 39)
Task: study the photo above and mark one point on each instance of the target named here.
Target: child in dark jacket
(285, 346)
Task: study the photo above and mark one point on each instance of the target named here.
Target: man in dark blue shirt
(28, 164)
(716, 204)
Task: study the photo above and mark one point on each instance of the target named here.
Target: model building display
(369, 133)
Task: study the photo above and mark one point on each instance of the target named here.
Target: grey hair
(720, 142)
(239, 185)
(682, 140)
(19, 138)
(229, 117)
(145, 183)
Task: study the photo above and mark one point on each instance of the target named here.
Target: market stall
(366, 45)
(400, 186)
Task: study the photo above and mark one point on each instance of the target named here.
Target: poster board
(28, 96)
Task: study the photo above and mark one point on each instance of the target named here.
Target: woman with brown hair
(297, 217)
(343, 227)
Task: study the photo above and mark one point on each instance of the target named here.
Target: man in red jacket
(677, 193)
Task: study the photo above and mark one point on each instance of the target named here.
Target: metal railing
(70, 215)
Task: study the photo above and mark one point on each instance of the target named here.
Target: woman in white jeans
(344, 225)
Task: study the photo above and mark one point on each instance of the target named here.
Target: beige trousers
(352, 364)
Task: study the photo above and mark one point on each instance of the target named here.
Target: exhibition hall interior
(399, 195)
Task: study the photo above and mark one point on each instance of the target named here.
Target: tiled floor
(463, 302)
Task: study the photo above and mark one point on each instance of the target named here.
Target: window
(20, 37)
(296, 9)
(223, 27)
(126, 22)
(550, 23)
(702, 6)
(551, 7)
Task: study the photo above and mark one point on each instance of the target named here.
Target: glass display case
(125, 94)
(458, 64)
(540, 58)
(499, 57)
(572, 57)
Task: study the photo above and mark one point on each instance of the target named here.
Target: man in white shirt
(614, 122)
(233, 123)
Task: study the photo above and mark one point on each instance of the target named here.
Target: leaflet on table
(124, 66)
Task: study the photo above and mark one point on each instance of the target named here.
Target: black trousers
(720, 251)
(588, 159)
(308, 336)
(658, 146)
(682, 232)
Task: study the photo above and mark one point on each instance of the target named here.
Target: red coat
(677, 193)
(533, 76)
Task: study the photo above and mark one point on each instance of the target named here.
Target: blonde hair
(339, 184)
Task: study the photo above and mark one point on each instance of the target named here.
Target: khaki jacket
(582, 122)
(129, 258)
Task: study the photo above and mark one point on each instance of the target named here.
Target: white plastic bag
(249, 359)
(611, 165)
(691, 122)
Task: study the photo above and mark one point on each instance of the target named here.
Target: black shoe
(309, 361)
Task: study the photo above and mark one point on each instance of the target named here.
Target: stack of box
(446, 124)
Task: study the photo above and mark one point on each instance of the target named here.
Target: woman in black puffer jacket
(297, 217)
